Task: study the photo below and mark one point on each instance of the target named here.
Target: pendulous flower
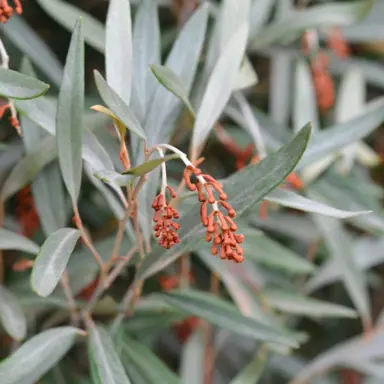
(216, 215)
(165, 226)
(6, 10)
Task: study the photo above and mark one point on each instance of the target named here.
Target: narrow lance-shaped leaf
(11, 315)
(117, 105)
(293, 200)
(37, 356)
(339, 245)
(67, 15)
(105, 362)
(146, 51)
(15, 85)
(219, 88)
(28, 167)
(225, 315)
(52, 260)
(149, 165)
(118, 48)
(69, 118)
(11, 240)
(192, 361)
(314, 17)
(173, 83)
(301, 305)
(244, 189)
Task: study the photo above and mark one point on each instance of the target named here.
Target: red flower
(6, 11)
(26, 212)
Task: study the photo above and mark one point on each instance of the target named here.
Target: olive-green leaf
(149, 165)
(69, 118)
(11, 240)
(298, 304)
(325, 15)
(225, 315)
(244, 189)
(37, 356)
(52, 259)
(106, 365)
(146, 362)
(117, 105)
(118, 48)
(11, 315)
(15, 85)
(67, 15)
(173, 83)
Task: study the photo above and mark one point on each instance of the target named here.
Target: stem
(209, 348)
(87, 241)
(64, 281)
(163, 172)
(103, 285)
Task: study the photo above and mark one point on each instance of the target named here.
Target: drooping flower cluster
(26, 212)
(165, 226)
(6, 10)
(221, 229)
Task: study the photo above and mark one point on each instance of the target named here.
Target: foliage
(204, 206)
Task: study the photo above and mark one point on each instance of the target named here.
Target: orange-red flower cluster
(6, 10)
(220, 227)
(338, 44)
(26, 212)
(165, 226)
(323, 82)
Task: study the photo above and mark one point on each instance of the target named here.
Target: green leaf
(117, 105)
(192, 360)
(340, 246)
(270, 253)
(182, 60)
(69, 118)
(32, 45)
(293, 200)
(148, 364)
(326, 15)
(146, 48)
(15, 85)
(11, 315)
(52, 260)
(11, 240)
(224, 315)
(106, 365)
(67, 15)
(297, 304)
(37, 356)
(339, 136)
(252, 372)
(118, 48)
(219, 87)
(149, 165)
(47, 187)
(28, 167)
(244, 189)
(305, 104)
(172, 82)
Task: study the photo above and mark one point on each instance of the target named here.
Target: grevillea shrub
(191, 194)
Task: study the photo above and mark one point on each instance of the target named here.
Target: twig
(208, 336)
(87, 241)
(64, 281)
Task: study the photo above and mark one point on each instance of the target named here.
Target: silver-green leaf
(11, 240)
(69, 118)
(105, 361)
(52, 260)
(11, 315)
(37, 356)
